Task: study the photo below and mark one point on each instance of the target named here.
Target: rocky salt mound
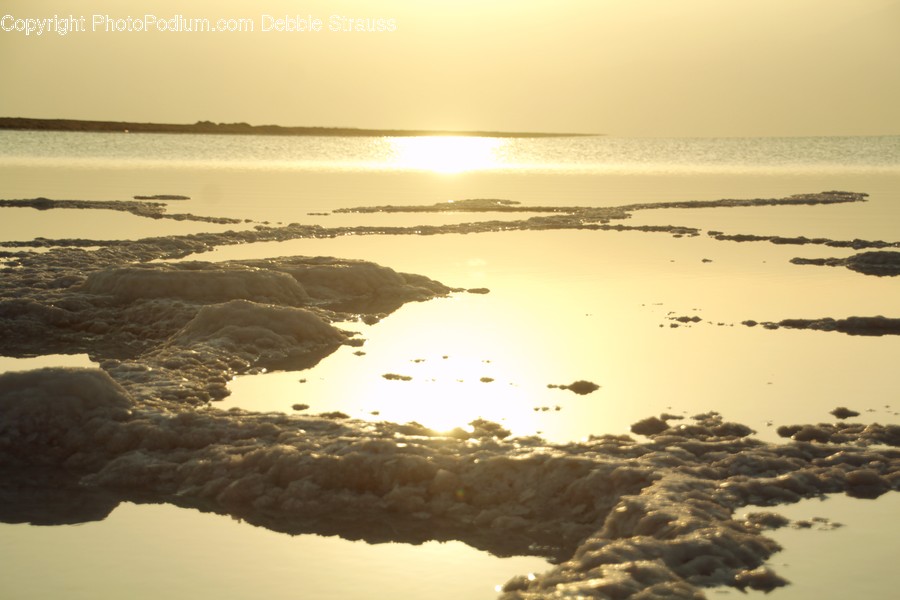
(622, 518)
(179, 332)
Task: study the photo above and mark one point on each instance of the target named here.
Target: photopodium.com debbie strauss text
(149, 23)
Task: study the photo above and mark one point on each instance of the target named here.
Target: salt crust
(179, 332)
(880, 263)
(868, 326)
(138, 207)
(573, 217)
(621, 518)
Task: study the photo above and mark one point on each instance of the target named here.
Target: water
(825, 566)
(576, 305)
(591, 154)
(151, 551)
(564, 305)
(283, 179)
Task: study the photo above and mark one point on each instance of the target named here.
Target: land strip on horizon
(208, 127)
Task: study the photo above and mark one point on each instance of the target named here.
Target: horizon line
(243, 128)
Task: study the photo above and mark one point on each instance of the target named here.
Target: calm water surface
(592, 154)
(563, 305)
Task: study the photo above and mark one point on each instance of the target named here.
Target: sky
(620, 67)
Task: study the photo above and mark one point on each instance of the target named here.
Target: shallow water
(855, 559)
(456, 154)
(563, 306)
(875, 219)
(48, 360)
(284, 179)
(600, 313)
(153, 551)
(24, 224)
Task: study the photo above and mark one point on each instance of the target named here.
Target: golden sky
(623, 67)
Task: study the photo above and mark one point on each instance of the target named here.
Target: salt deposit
(870, 326)
(884, 263)
(856, 244)
(591, 218)
(139, 207)
(498, 205)
(842, 412)
(620, 517)
(580, 387)
(195, 282)
(181, 331)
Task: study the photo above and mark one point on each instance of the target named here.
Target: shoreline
(210, 128)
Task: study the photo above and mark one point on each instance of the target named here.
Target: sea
(564, 305)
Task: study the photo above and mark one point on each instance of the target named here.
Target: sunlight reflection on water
(447, 154)
(594, 308)
(453, 154)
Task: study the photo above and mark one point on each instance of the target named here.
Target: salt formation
(842, 412)
(843, 433)
(580, 387)
(43, 413)
(856, 244)
(195, 282)
(623, 518)
(573, 217)
(139, 207)
(497, 205)
(870, 326)
(181, 331)
(884, 263)
(162, 197)
(620, 517)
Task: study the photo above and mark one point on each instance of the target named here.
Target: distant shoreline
(210, 128)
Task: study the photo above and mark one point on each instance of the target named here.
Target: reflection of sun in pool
(447, 154)
(446, 393)
(447, 366)
(459, 370)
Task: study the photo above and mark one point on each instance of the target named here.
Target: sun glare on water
(447, 154)
(416, 368)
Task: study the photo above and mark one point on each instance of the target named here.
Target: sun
(447, 154)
